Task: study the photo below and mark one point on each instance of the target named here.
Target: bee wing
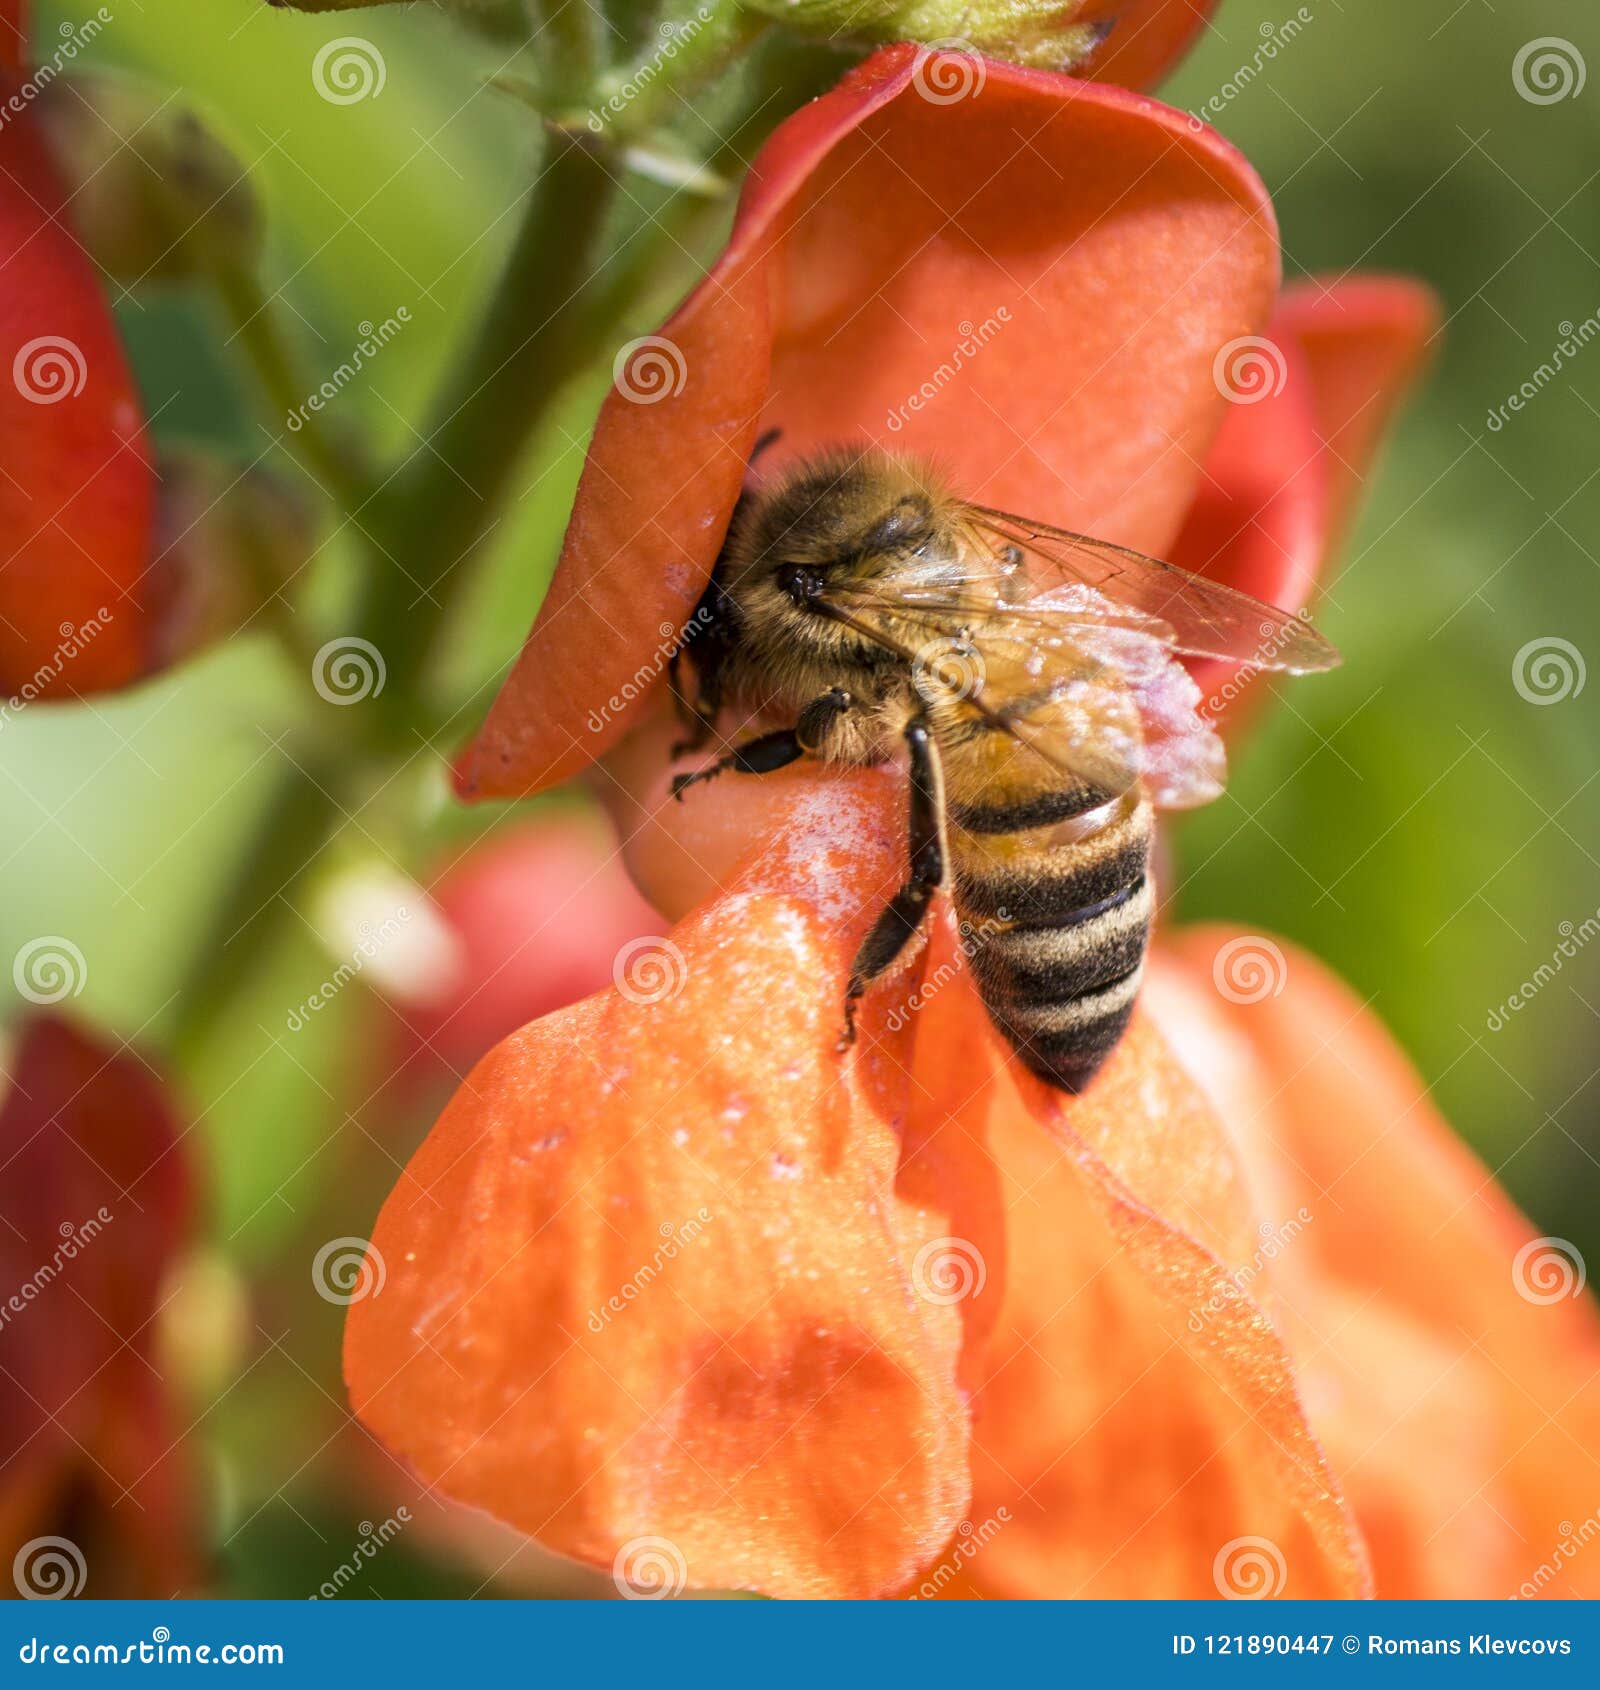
(1039, 567)
(1103, 700)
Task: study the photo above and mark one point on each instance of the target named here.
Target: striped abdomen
(1055, 893)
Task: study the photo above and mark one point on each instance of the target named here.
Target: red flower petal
(1293, 454)
(1123, 246)
(94, 1205)
(1146, 38)
(13, 34)
(1366, 339)
(77, 492)
(772, 1398)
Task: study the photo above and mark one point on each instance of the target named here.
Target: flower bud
(227, 543)
(1051, 34)
(153, 193)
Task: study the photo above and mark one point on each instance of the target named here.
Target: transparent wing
(1032, 569)
(1102, 698)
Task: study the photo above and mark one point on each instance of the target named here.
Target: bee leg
(700, 727)
(758, 756)
(698, 715)
(764, 445)
(895, 927)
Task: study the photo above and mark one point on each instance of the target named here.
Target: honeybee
(1032, 677)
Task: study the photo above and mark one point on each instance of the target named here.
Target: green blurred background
(1413, 819)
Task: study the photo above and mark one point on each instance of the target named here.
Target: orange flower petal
(650, 1280)
(1456, 1372)
(78, 494)
(1087, 246)
(1137, 1426)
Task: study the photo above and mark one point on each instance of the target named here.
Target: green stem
(439, 511)
(569, 39)
(297, 823)
(635, 99)
(257, 330)
(432, 520)
(553, 307)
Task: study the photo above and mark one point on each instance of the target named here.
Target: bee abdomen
(1059, 967)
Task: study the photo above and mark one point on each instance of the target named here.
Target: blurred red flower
(95, 1205)
(678, 1291)
(541, 912)
(77, 499)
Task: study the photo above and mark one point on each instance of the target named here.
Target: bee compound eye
(801, 584)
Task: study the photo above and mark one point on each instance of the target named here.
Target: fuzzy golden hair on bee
(1031, 678)
(859, 508)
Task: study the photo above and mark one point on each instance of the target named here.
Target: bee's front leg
(776, 750)
(900, 920)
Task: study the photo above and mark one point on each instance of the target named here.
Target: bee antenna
(764, 444)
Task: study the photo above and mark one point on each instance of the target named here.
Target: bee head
(851, 515)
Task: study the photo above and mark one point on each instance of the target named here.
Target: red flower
(94, 1205)
(675, 1288)
(540, 912)
(878, 233)
(77, 495)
